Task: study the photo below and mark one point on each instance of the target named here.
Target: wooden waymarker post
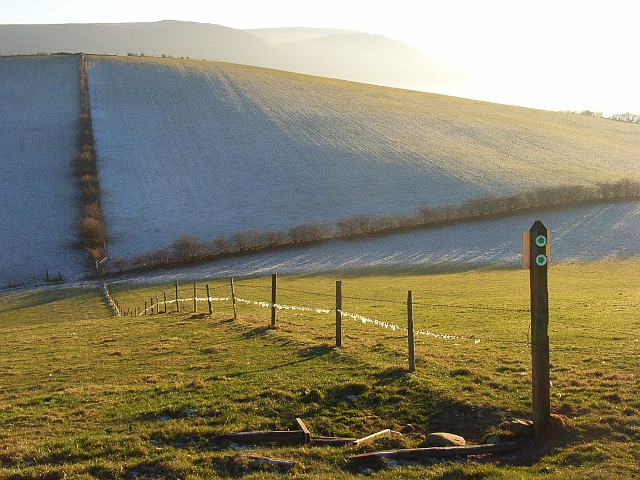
(274, 298)
(338, 313)
(540, 366)
(411, 340)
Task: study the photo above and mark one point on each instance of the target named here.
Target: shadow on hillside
(37, 298)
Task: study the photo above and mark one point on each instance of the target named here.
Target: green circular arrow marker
(541, 260)
(541, 240)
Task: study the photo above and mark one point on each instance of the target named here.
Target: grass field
(87, 395)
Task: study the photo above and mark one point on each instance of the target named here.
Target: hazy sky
(555, 54)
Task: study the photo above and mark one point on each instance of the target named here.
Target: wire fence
(183, 304)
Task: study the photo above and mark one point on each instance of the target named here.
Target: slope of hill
(179, 39)
(210, 149)
(357, 56)
(332, 53)
(39, 106)
(596, 232)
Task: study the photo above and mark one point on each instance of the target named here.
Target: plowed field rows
(39, 105)
(210, 149)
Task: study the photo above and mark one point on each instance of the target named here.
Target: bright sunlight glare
(560, 55)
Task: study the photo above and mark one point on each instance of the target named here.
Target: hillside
(210, 149)
(578, 235)
(39, 105)
(218, 150)
(331, 53)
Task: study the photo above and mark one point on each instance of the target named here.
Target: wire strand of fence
(283, 307)
(377, 300)
(182, 300)
(472, 307)
(246, 285)
(330, 295)
(440, 305)
(388, 325)
(394, 327)
(218, 287)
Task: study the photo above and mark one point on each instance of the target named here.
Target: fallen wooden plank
(282, 437)
(420, 453)
(386, 433)
(303, 428)
(333, 441)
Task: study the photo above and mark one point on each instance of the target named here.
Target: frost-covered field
(577, 235)
(210, 149)
(39, 105)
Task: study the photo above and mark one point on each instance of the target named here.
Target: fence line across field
(365, 320)
(151, 308)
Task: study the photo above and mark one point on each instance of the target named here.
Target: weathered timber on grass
(303, 428)
(386, 433)
(332, 441)
(280, 437)
(431, 452)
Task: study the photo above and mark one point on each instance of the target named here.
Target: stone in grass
(519, 427)
(442, 439)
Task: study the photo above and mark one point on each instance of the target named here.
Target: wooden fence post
(177, 299)
(157, 304)
(540, 366)
(209, 300)
(411, 340)
(233, 300)
(195, 295)
(151, 300)
(338, 313)
(145, 308)
(164, 292)
(274, 298)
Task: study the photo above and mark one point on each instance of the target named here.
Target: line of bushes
(189, 249)
(627, 117)
(90, 225)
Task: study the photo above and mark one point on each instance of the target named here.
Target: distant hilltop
(342, 54)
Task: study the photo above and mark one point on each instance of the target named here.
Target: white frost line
(364, 319)
(394, 327)
(353, 316)
(283, 307)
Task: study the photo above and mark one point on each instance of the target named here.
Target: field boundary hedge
(188, 249)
